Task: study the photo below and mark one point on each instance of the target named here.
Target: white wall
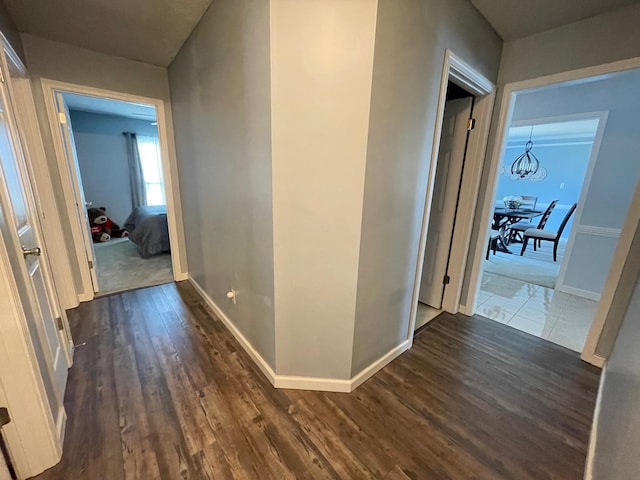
(220, 88)
(321, 61)
(595, 41)
(67, 63)
(616, 428)
(103, 159)
(411, 38)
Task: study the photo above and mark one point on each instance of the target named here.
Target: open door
(78, 191)
(20, 230)
(453, 141)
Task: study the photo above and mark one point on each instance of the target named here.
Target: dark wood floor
(162, 390)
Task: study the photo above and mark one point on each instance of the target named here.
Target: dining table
(503, 217)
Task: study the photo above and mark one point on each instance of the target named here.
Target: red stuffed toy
(103, 228)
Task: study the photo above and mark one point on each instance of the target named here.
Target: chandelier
(527, 163)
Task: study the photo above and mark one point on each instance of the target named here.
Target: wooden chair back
(546, 215)
(565, 220)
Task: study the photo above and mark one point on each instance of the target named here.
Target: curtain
(136, 177)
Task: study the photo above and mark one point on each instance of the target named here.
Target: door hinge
(1, 76)
(446, 280)
(471, 124)
(4, 416)
(90, 263)
(59, 323)
(63, 118)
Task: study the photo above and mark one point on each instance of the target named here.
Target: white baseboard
(578, 292)
(379, 364)
(299, 382)
(61, 423)
(594, 359)
(180, 276)
(313, 383)
(256, 357)
(85, 297)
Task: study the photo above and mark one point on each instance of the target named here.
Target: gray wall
(616, 435)
(602, 39)
(594, 41)
(411, 38)
(102, 156)
(68, 63)
(220, 88)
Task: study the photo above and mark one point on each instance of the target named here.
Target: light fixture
(527, 163)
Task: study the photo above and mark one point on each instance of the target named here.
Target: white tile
(508, 288)
(512, 304)
(538, 329)
(568, 337)
(425, 314)
(483, 297)
(496, 311)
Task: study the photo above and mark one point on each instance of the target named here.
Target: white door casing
(446, 187)
(46, 329)
(78, 191)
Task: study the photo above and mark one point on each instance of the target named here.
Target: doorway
(446, 192)
(596, 114)
(119, 176)
(452, 190)
(119, 185)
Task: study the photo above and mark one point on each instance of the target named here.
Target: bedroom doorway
(116, 191)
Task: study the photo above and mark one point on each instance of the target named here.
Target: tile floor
(425, 314)
(555, 316)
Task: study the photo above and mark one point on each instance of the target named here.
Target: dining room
(545, 165)
(564, 182)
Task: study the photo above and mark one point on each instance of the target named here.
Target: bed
(148, 229)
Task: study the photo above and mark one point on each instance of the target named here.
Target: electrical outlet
(561, 186)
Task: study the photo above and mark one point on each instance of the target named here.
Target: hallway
(160, 389)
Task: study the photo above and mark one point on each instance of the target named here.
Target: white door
(20, 231)
(78, 191)
(453, 141)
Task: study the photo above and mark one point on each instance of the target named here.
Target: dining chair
(494, 237)
(518, 228)
(538, 234)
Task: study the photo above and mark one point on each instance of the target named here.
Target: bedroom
(119, 179)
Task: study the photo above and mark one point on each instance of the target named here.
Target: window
(151, 169)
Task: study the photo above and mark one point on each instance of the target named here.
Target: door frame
(33, 437)
(169, 171)
(492, 165)
(456, 70)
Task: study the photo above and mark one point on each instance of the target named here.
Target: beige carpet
(121, 268)
(533, 267)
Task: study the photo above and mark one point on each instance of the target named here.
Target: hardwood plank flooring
(161, 390)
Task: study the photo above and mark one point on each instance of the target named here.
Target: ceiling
(85, 103)
(514, 19)
(569, 131)
(150, 31)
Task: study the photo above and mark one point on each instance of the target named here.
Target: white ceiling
(519, 18)
(571, 130)
(85, 103)
(150, 31)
